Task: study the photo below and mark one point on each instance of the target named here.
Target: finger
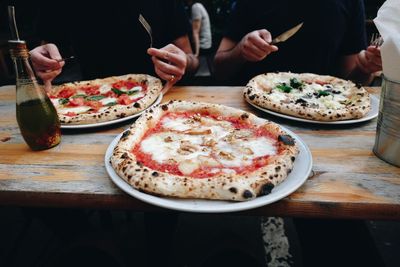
(250, 56)
(167, 68)
(49, 75)
(167, 56)
(265, 35)
(164, 76)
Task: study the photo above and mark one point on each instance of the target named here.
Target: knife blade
(287, 34)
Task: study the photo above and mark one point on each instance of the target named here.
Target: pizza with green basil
(309, 96)
(202, 150)
(105, 99)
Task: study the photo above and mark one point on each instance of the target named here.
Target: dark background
(27, 14)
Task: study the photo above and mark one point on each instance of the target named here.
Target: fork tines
(376, 40)
(147, 27)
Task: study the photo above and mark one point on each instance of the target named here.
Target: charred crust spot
(252, 97)
(136, 183)
(277, 168)
(292, 158)
(129, 177)
(164, 107)
(286, 139)
(155, 174)
(146, 185)
(126, 133)
(137, 170)
(233, 190)
(358, 85)
(266, 189)
(136, 105)
(124, 156)
(244, 116)
(140, 164)
(151, 111)
(122, 115)
(247, 194)
(124, 168)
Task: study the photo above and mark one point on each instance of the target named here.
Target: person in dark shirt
(331, 41)
(108, 39)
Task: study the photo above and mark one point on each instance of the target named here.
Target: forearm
(192, 64)
(228, 63)
(196, 40)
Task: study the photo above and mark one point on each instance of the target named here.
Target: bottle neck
(23, 71)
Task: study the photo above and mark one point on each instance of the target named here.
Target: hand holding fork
(169, 62)
(370, 60)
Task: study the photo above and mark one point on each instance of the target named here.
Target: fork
(376, 40)
(147, 27)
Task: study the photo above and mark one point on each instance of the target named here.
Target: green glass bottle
(37, 117)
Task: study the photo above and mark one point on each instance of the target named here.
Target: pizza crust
(154, 87)
(235, 187)
(258, 91)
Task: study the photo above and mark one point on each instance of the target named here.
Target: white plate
(373, 113)
(105, 123)
(296, 178)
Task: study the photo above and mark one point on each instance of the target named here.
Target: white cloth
(388, 24)
(200, 13)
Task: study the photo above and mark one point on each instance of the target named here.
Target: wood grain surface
(349, 180)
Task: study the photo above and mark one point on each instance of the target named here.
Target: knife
(286, 35)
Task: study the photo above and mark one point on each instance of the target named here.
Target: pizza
(105, 99)
(309, 96)
(201, 150)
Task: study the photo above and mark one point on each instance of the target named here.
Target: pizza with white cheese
(309, 96)
(201, 150)
(105, 99)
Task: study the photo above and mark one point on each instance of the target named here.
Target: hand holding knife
(257, 45)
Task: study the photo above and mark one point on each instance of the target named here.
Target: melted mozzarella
(105, 88)
(107, 100)
(76, 110)
(225, 152)
(178, 124)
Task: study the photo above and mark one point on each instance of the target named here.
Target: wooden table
(349, 181)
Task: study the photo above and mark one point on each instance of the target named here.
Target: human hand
(44, 60)
(370, 61)
(169, 62)
(255, 46)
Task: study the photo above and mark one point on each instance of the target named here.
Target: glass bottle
(37, 117)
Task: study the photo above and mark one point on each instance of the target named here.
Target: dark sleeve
(236, 25)
(178, 21)
(355, 38)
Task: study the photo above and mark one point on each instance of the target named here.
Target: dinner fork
(147, 27)
(376, 40)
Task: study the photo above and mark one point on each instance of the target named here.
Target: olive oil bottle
(37, 117)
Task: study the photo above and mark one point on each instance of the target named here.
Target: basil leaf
(77, 96)
(323, 93)
(296, 83)
(95, 97)
(110, 104)
(132, 92)
(63, 101)
(117, 91)
(284, 88)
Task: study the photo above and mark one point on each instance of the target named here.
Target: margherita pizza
(104, 99)
(201, 150)
(310, 96)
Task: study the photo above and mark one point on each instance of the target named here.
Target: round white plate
(373, 113)
(105, 123)
(296, 178)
